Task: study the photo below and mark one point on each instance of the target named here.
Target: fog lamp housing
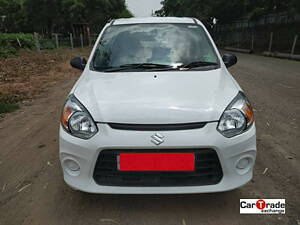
(71, 167)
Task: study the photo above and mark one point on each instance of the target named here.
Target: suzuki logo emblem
(157, 139)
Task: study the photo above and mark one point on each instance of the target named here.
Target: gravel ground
(32, 190)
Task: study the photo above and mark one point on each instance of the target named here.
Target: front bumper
(229, 151)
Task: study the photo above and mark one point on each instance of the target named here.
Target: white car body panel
(171, 97)
(136, 20)
(228, 150)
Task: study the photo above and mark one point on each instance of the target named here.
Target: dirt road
(32, 190)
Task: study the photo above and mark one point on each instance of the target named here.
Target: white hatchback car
(156, 111)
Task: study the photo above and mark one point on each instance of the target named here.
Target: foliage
(9, 43)
(226, 11)
(48, 16)
(15, 15)
(6, 51)
(8, 107)
(94, 12)
(47, 44)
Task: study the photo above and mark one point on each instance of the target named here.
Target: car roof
(136, 20)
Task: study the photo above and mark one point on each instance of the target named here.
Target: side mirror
(78, 62)
(229, 60)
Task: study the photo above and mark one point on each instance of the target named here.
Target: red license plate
(156, 162)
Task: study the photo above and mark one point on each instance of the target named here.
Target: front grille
(157, 127)
(208, 170)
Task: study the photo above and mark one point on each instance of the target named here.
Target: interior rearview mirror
(78, 62)
(229, 59)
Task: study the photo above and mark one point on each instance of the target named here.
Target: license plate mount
(156, 162)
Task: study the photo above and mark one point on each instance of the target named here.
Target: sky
(143, 8)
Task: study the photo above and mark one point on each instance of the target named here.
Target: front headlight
(237, 118)
(76, 120)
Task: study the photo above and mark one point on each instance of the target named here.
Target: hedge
(8, 107)
(9, 44)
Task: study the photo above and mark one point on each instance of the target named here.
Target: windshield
(162, 45)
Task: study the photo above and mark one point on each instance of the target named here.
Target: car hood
(156, 97)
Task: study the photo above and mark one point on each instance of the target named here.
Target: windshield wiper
(198, 64)
(138, 66)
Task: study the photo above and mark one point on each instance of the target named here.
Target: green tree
(12, 15)
(48, 16)
(94, 12)
(43, 15)
(227, 11)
